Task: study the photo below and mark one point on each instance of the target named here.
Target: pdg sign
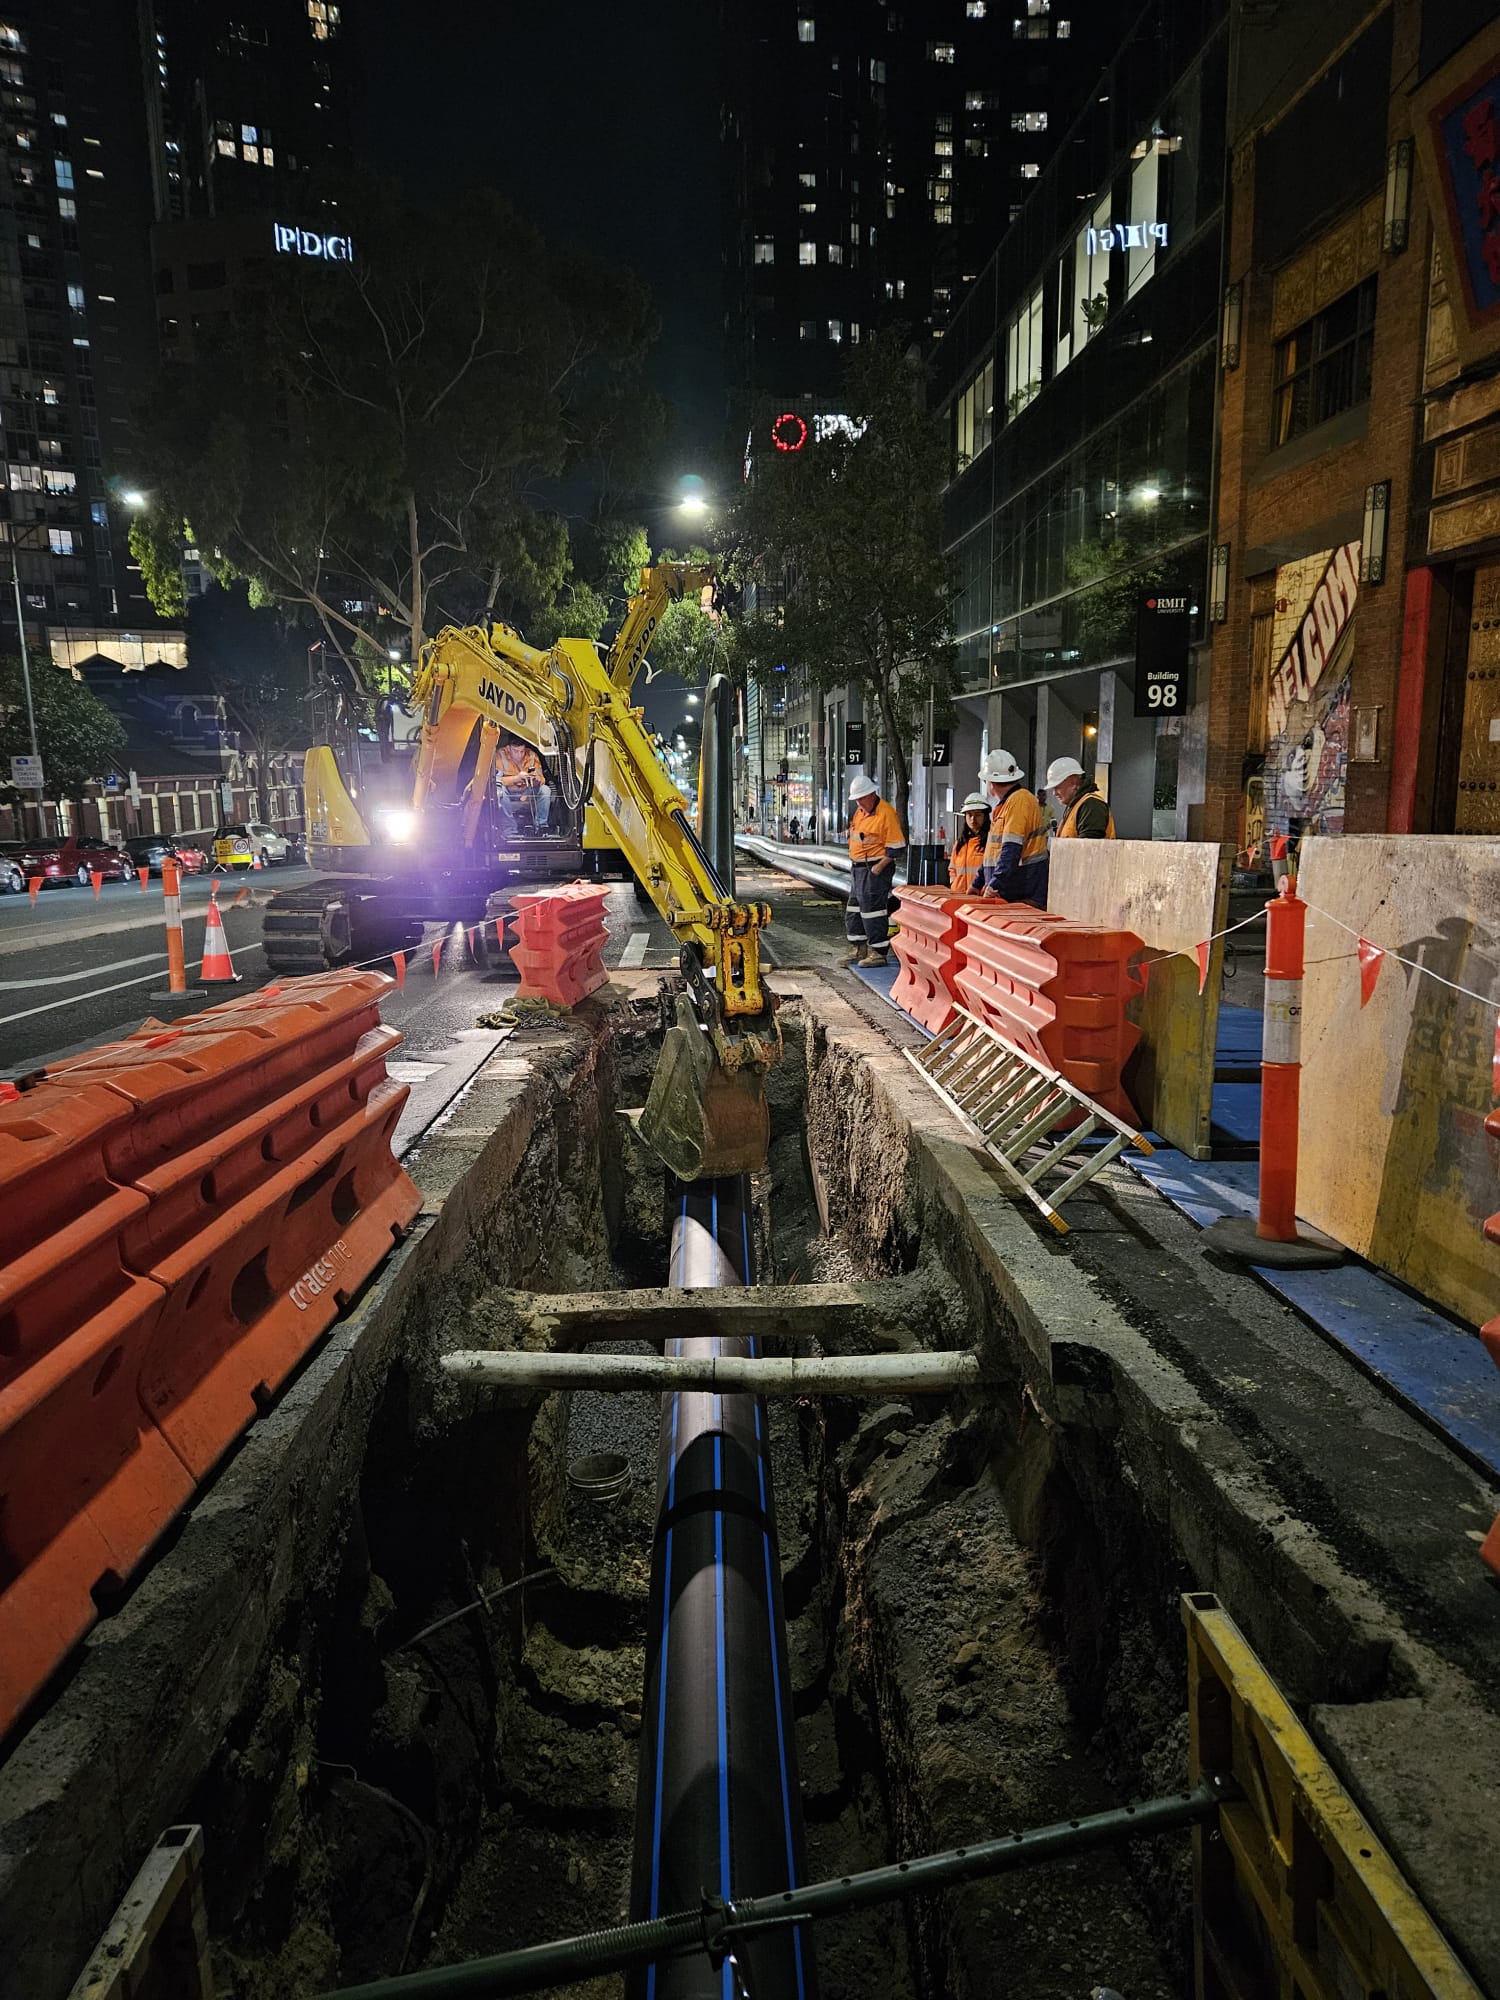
(293, 242)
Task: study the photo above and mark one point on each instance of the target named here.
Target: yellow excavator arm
(706, 1115)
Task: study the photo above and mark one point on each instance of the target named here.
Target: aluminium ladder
(1015, 1106)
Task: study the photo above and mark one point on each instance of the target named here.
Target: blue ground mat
(883, 978)
(1434, 1367)
(1239, 1038)
(1236, 1113)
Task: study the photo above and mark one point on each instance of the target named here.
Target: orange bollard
(1281, 1065)
(144, 876)
(171, 893)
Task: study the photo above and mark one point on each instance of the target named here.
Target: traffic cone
(217, 968)
(256, 863)
(97, 878)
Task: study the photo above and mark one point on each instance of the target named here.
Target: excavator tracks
(331, 923)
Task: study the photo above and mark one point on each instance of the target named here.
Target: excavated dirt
(441, 1763)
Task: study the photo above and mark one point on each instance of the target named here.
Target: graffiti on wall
(1312, 643)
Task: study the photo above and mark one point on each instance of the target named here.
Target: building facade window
(1028, 121)
(974, 416)
(807, 28)
(62, 171)
(1023, 356)
(1323, 366)
(807, 253)
(765, 250)
(60, 541)
(807, 329)
(941, 52)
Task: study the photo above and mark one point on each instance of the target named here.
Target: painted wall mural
(1312, 643)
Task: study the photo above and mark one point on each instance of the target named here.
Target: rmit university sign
(1126, 236)
(293, 242)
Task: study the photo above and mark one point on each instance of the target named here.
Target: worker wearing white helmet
(966, 860)
(875, 839)
(1015, 852)
(1086, 813)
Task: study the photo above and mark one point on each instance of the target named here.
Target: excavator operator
(522, 782)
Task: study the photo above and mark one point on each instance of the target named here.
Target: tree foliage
(382, 433)
(842, 542)
(256, 663)
(75, 731)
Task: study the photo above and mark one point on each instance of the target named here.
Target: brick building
(1355, 396)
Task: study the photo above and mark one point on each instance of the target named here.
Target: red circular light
(789, 432)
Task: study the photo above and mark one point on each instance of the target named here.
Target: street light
(692, 504)
(134, 498)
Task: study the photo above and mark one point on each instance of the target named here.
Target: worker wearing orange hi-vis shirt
(1015, 854)
(522, 780)
(966, 862)
(875, 839)
(1086, 814)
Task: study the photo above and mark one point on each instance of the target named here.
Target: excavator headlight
(399, 825)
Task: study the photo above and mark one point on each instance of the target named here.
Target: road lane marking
(635, 948)
(89, 972)
(98, 992)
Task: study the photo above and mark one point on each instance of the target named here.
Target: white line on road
(635, 948)
(98, 992)
(68, 978)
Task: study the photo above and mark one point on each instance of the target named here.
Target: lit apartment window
(835, 330)
(63, 171)
(1028, 170)
(977, 149)
(249, 136)
(901, 288)
(252, 154)
(943, 148)
(976, 10)
(877, 70)
(22, 139)
(807, 208)
(227, 147)
(75, 297)
(60, 118)
(835, 253)
(94, 173)
(11, 72)
(942, 215)
(973, 414)
(26, 478)
(854, 333)
(943, 122)
(943, 52)
(807, 253)
(33, 241)
(807, 180)
(765, 250)
(323, 19)
(59, 481)
(1063, 30)
(1035, 7)
(12, 38)
(267, 157)
(60, 541)
(1023, 356)
(49, 394)
(807, 329)
(807, 28)
(976, 100)
(1323, 366)
(1028, 121)
(1030, 31)
(67, 208)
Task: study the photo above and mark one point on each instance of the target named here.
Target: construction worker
(875, 839)
(1086, 813)
(1015, 852)
(522, 781)
(967, 859)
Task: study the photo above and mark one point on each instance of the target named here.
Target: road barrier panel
(1054, 989)
(926, 944)
(182, 1216)
(1489, 1333)
(559, 943)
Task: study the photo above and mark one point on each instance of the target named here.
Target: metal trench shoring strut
(717, 1926)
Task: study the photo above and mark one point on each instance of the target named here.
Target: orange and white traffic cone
(217, 968)
(257, 863)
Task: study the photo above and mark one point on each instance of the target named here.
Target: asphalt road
(76, 971)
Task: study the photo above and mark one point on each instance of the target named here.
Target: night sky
(601, 124)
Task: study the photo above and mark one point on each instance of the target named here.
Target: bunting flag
(98, 881)
(1143, 973)
(437, 952)
(1200, 952)
(240, 896)
(1370, 956)
(1252, 855)
(470, 934)
(1280, 842)
(398, 959)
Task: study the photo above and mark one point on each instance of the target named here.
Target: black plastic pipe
(718, 1807)
(719, 1928)
(716, 777)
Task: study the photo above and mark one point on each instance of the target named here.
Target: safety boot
(853, 955)
(873, 957)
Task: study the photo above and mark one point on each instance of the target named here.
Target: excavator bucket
(702, 1120)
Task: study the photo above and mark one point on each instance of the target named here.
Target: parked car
(20, 860)
(82, 859)
(239, 844)
(150, 850)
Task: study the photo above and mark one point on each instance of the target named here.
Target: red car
(79, 860)
(20, 860)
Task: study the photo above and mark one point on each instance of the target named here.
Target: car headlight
(399, 826)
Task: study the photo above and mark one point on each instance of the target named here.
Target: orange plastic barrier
(926, 949)
(182, 1216)
(1489, 1333)
(1054, 989)
(559, 945)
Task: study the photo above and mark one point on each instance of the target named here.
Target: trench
(439, 1761)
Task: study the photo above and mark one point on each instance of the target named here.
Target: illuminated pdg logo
(293, 242)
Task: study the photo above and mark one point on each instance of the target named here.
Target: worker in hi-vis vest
(967, 858)
(875, 839)
(1015, 853)
(1085, 811)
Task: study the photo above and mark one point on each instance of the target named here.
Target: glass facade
(1098, 314)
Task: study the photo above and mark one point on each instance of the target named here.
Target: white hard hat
(862, 788)
(1000, 768)
(1060, 768)
(976, 802)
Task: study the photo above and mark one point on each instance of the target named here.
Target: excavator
(441, 849)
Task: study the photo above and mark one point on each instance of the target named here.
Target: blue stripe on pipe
(786, 1784)
(661, 1707)
(722, 1675)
